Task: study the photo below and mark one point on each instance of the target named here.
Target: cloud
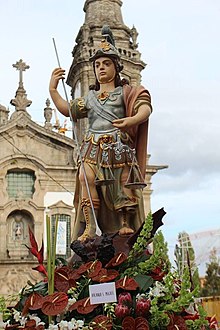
(184, 131)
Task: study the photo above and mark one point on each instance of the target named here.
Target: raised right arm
(59, 102)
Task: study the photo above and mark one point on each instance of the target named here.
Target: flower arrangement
(150, 295)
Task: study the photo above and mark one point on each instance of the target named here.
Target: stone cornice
(23, 122)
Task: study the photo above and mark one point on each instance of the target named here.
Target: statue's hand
(56, 75)
(124, 123)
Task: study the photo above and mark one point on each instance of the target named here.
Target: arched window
(20, 183)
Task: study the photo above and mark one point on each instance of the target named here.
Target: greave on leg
(90, 229)
(124, 216)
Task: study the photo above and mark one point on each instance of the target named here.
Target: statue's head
(111, 53)
(107, 49)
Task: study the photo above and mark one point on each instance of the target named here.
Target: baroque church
(33, 186)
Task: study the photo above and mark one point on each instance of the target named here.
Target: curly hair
(118, 80)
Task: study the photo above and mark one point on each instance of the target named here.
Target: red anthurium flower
(83, 268)
(157, 274)
(55, 303)
(41, 269)
(125, 298)
(83, 306)
(101, 274)
(122, 310)
(141, 324)
(142, 307)
(177, 321)
(101, 322)
(105, 275)
(128, 323)
(213, 323)
(73, 274)
(117, 260)
(92, 268)
(110, 276)
(62, 279)
(127, 283)
(33, 302)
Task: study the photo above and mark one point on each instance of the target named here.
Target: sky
(179, 41)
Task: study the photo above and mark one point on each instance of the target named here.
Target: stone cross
(20, 101)
(21, 66)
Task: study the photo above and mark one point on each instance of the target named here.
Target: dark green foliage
(212, 277)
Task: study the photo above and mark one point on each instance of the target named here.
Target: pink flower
(142, 307)
(125, 298)
(121, 311)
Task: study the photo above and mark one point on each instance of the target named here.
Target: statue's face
(104, 70)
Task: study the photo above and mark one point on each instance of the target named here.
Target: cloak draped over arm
(139, 133)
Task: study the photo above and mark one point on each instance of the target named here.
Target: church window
(20, 183)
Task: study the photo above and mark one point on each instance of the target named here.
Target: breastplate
(102, 112)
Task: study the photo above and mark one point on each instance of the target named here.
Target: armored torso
(103, 109)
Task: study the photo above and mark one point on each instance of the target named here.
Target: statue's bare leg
(87, 209)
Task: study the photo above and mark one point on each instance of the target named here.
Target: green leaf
(144, 281)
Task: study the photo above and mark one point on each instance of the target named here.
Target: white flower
(191, 309)
(71, 301)
(23, 320)
(63, 325)
(73, 325)
(36, 318)
(53, 327)
(80, 323)
(17, 315)
(158, 290)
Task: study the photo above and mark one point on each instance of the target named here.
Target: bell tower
(81, 75)
(97, 14)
